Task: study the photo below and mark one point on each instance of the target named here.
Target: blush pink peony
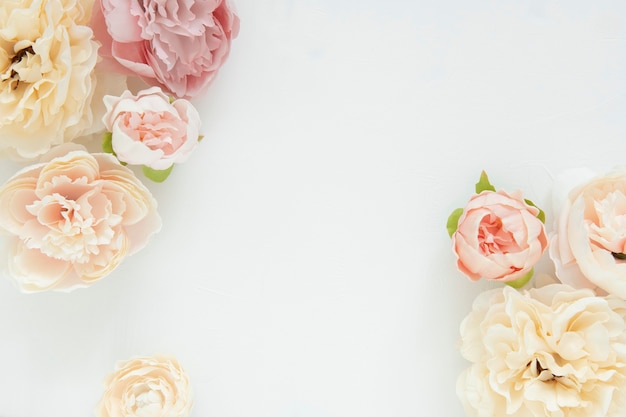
(176, 44)
(499, 237)
(148, 129)
(73, 219)
(588, 242)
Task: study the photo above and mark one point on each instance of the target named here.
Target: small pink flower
(499, 237)
(176, 44)
(73, 219)
(149, 130)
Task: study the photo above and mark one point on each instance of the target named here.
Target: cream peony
(552, 352)
(154, 386)
(73, 219)
(47, 80)
(588, 245)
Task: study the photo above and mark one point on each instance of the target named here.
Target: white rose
(549, 352)
(149, 129)
(154, 386)
(47, 60)
(588, 244)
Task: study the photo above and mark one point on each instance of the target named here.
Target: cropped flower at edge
(72, 220)
(149, 129)
(47, 79)
(178, 45)
(549, 352)
(588, 245)
(155, 386)
(498, 235)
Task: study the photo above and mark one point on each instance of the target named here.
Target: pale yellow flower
(47, 80)
(547, 352)
(155, 386)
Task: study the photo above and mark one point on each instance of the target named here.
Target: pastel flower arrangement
(73, 215)
(554, 346)
(70, 215)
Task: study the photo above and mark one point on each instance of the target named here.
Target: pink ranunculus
(176, 44)
(499, 237)
(73, 219)
(148, 129)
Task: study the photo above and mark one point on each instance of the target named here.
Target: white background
(303, 268)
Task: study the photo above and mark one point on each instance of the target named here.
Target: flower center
(148, 399)
(145, 400)
(15, 64)
(68, 229)
(156, 130)
(607, 223)
(493, 238)
(538, 371)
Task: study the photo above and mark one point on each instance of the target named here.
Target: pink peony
(147, 129)
(176, 44)
(73, 219)
(498, 237)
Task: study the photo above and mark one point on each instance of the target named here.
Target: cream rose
(499, 237)
(588, 245)
(549, 352)
(47, 80)
(154, 386)
(147, 129)
(73, 219)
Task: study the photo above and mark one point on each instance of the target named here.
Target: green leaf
(541, 215)
(520, 282)
(453, 221)
(155, 174)
(618, 255)
(107, 143)
(483, 184)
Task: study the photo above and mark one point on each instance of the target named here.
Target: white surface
(303, 268)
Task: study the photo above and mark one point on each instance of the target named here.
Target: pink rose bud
(147, 129)
(499, 237)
